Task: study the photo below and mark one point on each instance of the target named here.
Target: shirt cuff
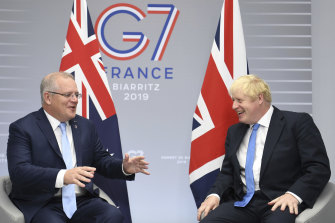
(296, 196)
(216, 195)
(60, 179)
(126, 174)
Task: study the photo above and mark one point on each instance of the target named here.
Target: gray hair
(49, 83)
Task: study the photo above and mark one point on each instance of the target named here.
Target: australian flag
(213, 114)
(82, 58)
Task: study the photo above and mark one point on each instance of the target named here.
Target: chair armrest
(8, 211)
(323, 209)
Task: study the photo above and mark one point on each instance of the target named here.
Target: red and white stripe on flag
(214, 114)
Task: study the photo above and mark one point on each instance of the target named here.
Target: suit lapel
(44, 124)
(76, 139)
(274, 132)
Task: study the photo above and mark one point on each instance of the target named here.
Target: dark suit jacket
(34, 159)
(294, 159)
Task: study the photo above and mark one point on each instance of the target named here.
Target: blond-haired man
(275, 165)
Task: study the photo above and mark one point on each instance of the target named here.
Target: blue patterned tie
(68, 194)
(249, 175)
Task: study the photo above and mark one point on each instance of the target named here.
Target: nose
(74, 98)
(235, 105)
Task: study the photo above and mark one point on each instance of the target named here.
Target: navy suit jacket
(294, 159)
(34, 159)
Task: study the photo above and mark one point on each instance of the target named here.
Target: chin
(71, 116)
(244, 121)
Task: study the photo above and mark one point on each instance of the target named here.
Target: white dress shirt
(241, 153)
(58, 133)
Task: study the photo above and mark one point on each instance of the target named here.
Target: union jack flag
(82, 58)
(213, 114)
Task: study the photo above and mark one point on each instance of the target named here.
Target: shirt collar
(265, 120)
(53, 121)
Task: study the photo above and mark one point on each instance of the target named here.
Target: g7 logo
(141, 40)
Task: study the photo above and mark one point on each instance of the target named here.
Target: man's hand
(135, 164)
(208, 205)
(286, 200)
(78, 174)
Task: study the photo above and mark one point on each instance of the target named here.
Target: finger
(83, 179)
(273, 201)
(80, 184)
(86, 173)
(145, 172)
(143, 167)
(275, 206)
(199, 214)
(202, 215)
(143, 162)
(126, 157)
(296, 211)
(205, 213)
(291, 208)
(88, 168)
(137, 160)
(283, 206)
(200, 210)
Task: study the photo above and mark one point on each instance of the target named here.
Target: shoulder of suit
(293, 117)
(82, 120)
(29, 117)
(293, 114)
(27, 122)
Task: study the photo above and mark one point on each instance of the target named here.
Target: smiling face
(60, 107)
(249, 110)
(251, 98)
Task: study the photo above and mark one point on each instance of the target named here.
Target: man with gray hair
(275, 165)
(53, 155)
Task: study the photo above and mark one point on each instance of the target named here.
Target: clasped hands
(284, 201)
(84, 174)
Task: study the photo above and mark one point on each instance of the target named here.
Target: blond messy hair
(251, 86)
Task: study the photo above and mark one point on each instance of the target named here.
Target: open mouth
(240, 113)
(73, 108)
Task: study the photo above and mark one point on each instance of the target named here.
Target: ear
(260, 98)
(47, 98)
